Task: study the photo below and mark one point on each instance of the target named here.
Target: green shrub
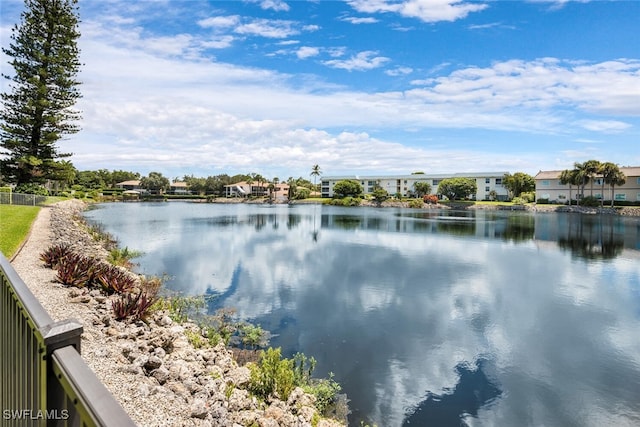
(528, 196)
(590, 201)
(416, 203)
(253, 336)
(346, 201)
(122, 257)
(31, 188)
(196, 339)
(180, 308)
(272, 376)
(519, 201)
(325, 390)
(302, 193)
(542, 201)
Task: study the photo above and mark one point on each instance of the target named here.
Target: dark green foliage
(422, 188)
(37, 111)
(253, 336)
(380, 195)
(457, 188)
(76, 270)
(519, 182)
(155, 182)
(347, 188)
(325, 390)
(54, 254)
(31, 189)
(590, 201)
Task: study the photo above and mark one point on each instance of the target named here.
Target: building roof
(626, 170)
(418, 176)
(131, 182)
(179, 184)
(256, 184)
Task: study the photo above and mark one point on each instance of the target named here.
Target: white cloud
(220, 42)
(277, 5)
(425, 10)
(400, 71)
(360, 20)
(144, 106)
(268, 28)
(220, 21)
(605, 126)
(607, 88)
(366, 60)
(307, 52)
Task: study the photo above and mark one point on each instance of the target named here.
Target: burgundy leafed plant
(53, 254)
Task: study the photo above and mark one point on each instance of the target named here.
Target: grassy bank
(15, 222)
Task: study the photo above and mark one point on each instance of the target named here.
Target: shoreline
(150, 367)
(542, 208)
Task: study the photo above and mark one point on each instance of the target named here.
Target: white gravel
(107, 363)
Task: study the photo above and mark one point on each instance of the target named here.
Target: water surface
(427, 318)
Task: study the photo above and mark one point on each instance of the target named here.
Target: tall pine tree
(38, 109)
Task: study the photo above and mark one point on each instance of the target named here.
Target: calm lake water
(426, 318)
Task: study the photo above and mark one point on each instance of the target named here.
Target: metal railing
(43, 379)
(9, 198)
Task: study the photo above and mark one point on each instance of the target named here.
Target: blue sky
(358, 87)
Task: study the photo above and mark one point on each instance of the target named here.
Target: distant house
(487, 182)
(178, 187)
(255, 189)
(548, 187)
(130, 185)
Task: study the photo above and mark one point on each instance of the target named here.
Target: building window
(545, 182)
(487, 180)
(621, 196)
(487, 189)
(437, 181)
(498, 181)
(598, 196)
(638, 197)
(562, 197)
(638, 180)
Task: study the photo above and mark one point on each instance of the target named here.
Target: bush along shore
(173, 370)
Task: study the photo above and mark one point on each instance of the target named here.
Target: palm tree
(315, 172)
(569, 177)
(591, 168)
(249, 182)
(612, 175)
(260, 179)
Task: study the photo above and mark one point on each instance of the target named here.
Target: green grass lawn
(15, 222)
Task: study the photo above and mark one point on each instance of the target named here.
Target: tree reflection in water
(473, 391)
(589, 238)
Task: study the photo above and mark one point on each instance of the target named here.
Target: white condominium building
(404, 184)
